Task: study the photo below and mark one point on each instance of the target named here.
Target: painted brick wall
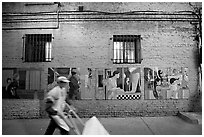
(164, 44)
(20, 109)
(13, 109)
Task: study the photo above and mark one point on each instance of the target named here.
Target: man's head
(74, 71)
(62, 81)
(8, 80)
(116, 73)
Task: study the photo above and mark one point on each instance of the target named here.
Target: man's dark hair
(8, 79)
(172, 80)
(115, 72)
(73, 73)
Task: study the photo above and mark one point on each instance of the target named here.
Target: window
(126, 49)
(38, 47)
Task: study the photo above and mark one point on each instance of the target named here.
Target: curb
(187, 117)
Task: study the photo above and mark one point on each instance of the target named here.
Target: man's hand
(61, 114)
(72, 109)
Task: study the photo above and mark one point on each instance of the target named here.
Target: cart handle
(72, 111)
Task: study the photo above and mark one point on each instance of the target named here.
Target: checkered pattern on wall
(128, 96)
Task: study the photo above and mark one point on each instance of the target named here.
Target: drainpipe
(23, 28)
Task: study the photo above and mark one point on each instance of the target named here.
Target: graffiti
(169, 83)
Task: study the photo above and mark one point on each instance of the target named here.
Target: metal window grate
(126, 49)
(38, 47)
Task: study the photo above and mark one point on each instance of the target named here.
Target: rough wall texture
(20, 109)
(164, 44)
(15, 109)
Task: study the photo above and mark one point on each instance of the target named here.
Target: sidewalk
(171, 125)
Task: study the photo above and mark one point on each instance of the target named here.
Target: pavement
(169, 125)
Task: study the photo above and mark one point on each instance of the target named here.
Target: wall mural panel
(73, 74)
(123, 83)
(168, 83)
(100, 83)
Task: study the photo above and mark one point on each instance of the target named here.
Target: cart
(90, 127)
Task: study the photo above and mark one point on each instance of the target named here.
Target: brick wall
(13, 109)
(164, 44)
(20, 108)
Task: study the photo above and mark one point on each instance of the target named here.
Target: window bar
(50, 51)
(114, 51)
(124, 49)
(44, 46)
(39, 42)
(121, 49)
(128, 49)
(137, 49)
(38, 38)
(30, 53)
(118, 52)
(33, 47)
(38, 46)
(50, 48)
(47, 48)
(43, 40)
(132, 49)
(26, 48)
(23, 51)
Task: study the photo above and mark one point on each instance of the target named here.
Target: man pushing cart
(55, 106)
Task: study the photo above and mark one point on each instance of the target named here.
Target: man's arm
(48, 107)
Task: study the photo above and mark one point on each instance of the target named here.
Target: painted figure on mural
(14, 86)
(127, 81)
(74, 85)
(157, 88)
(7, 91)
(112, 87)
(169, 83)
(185, 78)
(174, 88)
(135, 78)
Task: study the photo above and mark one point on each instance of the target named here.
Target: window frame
(31, 41)
(136, 39)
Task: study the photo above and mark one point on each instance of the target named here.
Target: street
(171, 125)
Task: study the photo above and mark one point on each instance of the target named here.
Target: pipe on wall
(77, 19)
(22, 28)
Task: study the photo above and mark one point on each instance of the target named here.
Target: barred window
(38, 47)
(126, 49)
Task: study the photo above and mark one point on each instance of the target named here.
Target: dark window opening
(126, 49)
(22, 79)
(100, 80)
(38, 47)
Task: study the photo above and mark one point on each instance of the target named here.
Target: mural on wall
(122, 81)
(73, 74)
(99, 83)
(20, 83)
(168, 83)
(81, 85)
